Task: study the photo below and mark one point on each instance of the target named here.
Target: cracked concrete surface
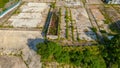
(23, 41)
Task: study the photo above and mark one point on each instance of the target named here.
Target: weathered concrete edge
(8, 10)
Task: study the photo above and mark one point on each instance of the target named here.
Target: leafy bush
(103, 31)
(63, 57)
(48, 49)
(94, 29)
(88, 56)
(111, 51)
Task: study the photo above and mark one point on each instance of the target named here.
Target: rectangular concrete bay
(19, 39)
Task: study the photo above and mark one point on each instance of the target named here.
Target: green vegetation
(94, 29)
(108, 20)
(1, 26)
(17, 11)
(104, 55)
(67, 22)
(78, 36)
(53, 25)
(3, 2)
(114, 28)
(68, 18)
(88, 56)
(84, 1)
(103, 31)
(48, 49)
(72, 26)
(105, 14)
(54, 21)
(111, 52)
(59, 22)
(99, 56)
(53, 5)
(116, 7)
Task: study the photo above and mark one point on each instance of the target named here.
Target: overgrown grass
(67, 23)
(59, 22)
(72, 26)
(3, 2)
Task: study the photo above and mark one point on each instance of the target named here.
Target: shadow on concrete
(95, 35)
(103, 38)
(105, 1)
(91, 34)
(33, 42)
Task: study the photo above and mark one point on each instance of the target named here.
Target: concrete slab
(31, 15)
(18, 39)
(11, 62)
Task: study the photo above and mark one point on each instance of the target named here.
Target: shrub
(94, 29)
(48, 49)
(88, 56)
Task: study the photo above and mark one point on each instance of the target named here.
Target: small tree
(48, 49)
